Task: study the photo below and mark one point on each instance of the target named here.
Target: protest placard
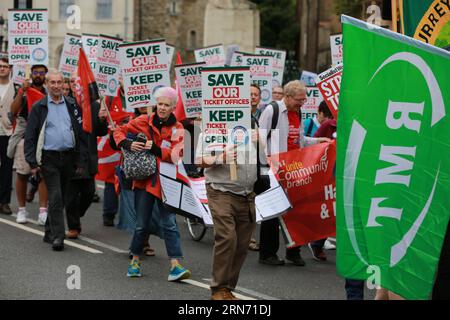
(145, 69)
(279, 61)
(226, 107)
(314, 98)
(20, 73)
(309, 78)
(237, 58)
(189, 78)
(170, 53)
(90, 46)
(212, 56)
(28, 36)
(108, 59)
(261, 74)
(329, 84)
(336, 46)
(70, 54)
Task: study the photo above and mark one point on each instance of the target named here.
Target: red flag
(88, 90)
(179, 109)
(308, 176)
(33, 96)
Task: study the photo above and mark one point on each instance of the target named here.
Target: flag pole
(394, 15)
(402, 17)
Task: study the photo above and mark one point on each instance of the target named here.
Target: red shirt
(294, 131)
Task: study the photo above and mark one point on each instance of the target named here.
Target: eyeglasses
(301, 101)
(2, 66)
(39, 73)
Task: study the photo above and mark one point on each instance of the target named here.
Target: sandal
(149, 252)
(253, 246)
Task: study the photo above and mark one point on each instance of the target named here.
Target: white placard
(279, 61)
(189, 79)
(261, 74)
(70, 54)
(108, 59)
(211, 56)
(337, 53)
(90, 46)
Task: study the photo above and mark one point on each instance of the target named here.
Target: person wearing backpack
(281, 131)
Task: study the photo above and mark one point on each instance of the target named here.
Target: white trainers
(22, 217)
(329, 244)
(42, 219)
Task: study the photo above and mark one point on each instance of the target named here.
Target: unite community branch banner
(393, 167)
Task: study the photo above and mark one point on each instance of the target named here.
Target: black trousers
(6, 170)
(441, 290)
(57, 170)
(269, 240)
(80, 193)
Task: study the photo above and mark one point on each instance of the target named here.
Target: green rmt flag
(393, 170)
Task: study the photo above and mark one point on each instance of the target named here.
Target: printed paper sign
(108, 60)
(336, 46)
(237, 58)
(70, 54)
(279, 61)
(145, 69)
(189, 78)
(226, 107)
(261, 74)
(28, 36)
(170, 54)
(212, 56)
(309, 78)
(314, 98)
(19, 74)
(329, 84)
(90, 46)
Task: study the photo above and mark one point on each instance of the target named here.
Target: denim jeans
(354, 289)
(110, 201)
(144, 203)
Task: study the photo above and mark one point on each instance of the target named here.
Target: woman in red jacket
(167, 145)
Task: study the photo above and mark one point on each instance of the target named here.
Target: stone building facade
(192, 24)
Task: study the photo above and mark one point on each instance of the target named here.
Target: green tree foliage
(349, 7)
(279, 26)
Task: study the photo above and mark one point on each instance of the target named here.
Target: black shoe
(5, 209)
(272, 261)
(48, 239)
(296, 260)
(58, 245)
(108, 222)
(96, 198)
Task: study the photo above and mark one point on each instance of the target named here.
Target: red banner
(308, 177)
(330, 86)
(33, 96)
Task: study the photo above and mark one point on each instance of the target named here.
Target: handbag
(139, 165)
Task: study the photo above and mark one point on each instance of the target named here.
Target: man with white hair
(281, 131)
(54, 145)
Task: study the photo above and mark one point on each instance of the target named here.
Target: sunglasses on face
(39, 73)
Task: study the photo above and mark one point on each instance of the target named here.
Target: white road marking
(252, 293)
(205, 286)
(40, 233)
(88, 240)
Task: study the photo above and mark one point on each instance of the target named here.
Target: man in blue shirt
(54, 146)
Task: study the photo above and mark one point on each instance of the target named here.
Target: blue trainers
(134, 270)
(179, 273)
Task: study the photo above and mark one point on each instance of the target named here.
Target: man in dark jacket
(81, 189)
(55, 146)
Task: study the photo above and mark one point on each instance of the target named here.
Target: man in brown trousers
(232, 205)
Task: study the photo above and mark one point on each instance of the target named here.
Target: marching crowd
(44, 143)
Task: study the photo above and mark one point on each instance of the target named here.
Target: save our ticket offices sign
(90, 47)
(261, 74)
(145, 69)
(311, 106)
(212, 56)
(108, 59)
(189, 78)
(69, 57)
(28, 36)
(279, 61)
(329, 84)
(226, 107)
(336, 46)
